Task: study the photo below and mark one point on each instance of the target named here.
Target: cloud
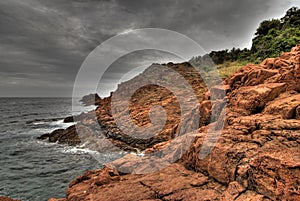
(43, 43)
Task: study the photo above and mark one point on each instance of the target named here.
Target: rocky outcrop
(2, 198)
(63, 136)
(141, 101)
(69, 119)
(91, 99)
(103, 122)
(285, 105)
(257, 157)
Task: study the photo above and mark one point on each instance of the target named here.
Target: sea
(35, 170)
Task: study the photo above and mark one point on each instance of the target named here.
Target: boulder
(68, 119)
(285, 105)
(55, 135)
(252, 99)
(69, 136)
(63, 136)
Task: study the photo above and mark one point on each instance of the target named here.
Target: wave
(41, 121)
(47, 127)
(61, 124)
(77, 150)
(38, 123)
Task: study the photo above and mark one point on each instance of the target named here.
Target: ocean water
(35, 170)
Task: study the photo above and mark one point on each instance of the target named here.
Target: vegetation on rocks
(272, 38)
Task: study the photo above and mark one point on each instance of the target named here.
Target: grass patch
(228, 68)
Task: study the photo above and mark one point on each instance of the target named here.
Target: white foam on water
(61, 124)
(104, 157)
(39, 123)
(51, 126)
(77, 150)
(44, 130)
(44, 143)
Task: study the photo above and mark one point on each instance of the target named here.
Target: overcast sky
(44, 42)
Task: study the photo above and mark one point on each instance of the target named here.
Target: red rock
(297, 111)
(277, 175)
(233, 190)
(285, 105)
(251, 196)
(296, 49)
(255, 159)
(252, 99)
(2, 198)
(268, 63)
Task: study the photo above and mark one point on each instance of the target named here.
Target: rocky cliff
(257, 157)
(148, 95)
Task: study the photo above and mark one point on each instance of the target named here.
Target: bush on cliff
(272, 37)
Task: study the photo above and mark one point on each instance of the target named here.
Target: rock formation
(257, 157)
(91, 99)
(2, 198)
(102, 121)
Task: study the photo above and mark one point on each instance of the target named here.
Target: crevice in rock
(240, 193)
(257, 110)
(157, 196)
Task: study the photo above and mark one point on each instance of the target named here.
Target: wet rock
(44, 136)
(55, 135)
(69, 136)
(68, 119)
(64, 136)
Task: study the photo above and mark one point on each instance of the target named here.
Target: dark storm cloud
(43, 43)
(129, 66)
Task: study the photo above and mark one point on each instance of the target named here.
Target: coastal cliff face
(257, 157)
(148, 95)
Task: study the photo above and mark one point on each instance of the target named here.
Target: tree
(272, 37)
(291, 18)
(266, 26)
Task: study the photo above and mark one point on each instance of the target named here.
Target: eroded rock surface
(2, 198)
(256, 158)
